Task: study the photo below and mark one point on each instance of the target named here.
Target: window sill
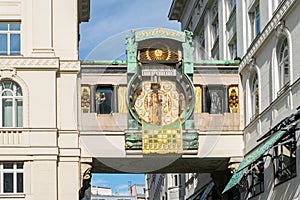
(11, 195)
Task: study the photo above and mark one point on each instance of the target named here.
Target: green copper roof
(103, 62)
(253, 156)
(123, 62)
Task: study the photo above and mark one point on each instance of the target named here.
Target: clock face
(158, 106)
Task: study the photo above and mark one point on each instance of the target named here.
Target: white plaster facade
(46, 69)
(256, 28)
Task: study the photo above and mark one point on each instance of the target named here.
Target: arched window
(254, 96)
(11, 104)
(283, 62)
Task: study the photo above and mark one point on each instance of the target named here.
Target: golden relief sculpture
(159, 107)
(85, 99)
(158, 52)
(233, 99)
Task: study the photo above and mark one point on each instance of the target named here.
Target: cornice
(69, 66)
(20, 62)
(271, 26)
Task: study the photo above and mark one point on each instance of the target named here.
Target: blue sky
(117, 182)
(103, 38)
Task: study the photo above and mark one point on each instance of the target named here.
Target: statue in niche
(216, 103)
(233, 101)
(100, 98)
(85, 100)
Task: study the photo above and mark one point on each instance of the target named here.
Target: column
(115, 96)
(204, 103)
(226, 106)
(93, 96)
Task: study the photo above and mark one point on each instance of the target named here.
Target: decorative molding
(8, 72)
(270, 27)
(20, 62)
(68, 66)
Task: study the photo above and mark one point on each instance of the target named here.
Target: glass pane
(18, 91)
(3, 44)
(8, 182)
(19, 112)
(7, 94)
(14, 27)
(20, 182)
(8, 166)
(15, 43)
(7, 84)
(3, 27)
(20, 165)
(7, 113)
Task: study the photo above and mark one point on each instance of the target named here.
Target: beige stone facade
(40, 153)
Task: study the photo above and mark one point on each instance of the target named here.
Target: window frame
(254, 19)
(8, 34)
(255, 95)
(284, 78)
(278, 153)
(15, 171)
(255, 177)
(10, 86)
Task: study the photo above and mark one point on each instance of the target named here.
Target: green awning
(253, 156)
(235, 179)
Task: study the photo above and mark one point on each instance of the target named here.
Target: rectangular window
(255, 178)
(255, 22)
(233, 50)
(10, 39)
(284, 159)
(11, 178)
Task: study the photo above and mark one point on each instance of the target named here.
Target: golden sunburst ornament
(161, 53)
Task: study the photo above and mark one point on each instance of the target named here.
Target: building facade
(39, 151)
(264, 36)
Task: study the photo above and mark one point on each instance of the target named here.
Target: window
(283, 63)
(255, 178)
(11, 104)
(284, 159)
(104, 99)
(10, 40)
(214, 22)
(233, 50)
(255, 22)
(231, 5)
(254, 96)
(11, 175)
(175, 180)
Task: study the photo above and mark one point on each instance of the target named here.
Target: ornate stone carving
(69, 66)
(18, 62)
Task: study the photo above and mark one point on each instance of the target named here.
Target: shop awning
(253, 156)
